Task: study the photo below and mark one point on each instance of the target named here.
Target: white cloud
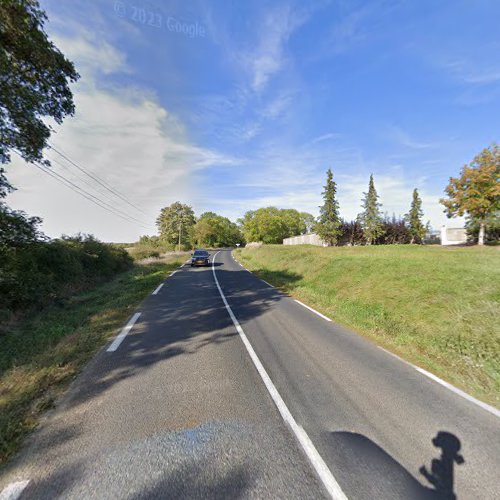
(126, 137)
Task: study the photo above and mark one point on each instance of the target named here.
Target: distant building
(453, 236)
(305, 239)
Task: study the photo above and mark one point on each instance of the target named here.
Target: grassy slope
(437, 307)
(44, 353)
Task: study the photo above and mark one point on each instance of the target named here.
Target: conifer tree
(328, 226)
(371, 218)
(414, 219)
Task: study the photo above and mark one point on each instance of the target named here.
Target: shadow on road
(378, 475)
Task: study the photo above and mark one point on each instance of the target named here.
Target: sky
(230, 106)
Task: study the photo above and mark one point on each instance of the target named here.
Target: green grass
(42, 354)
(439, 307)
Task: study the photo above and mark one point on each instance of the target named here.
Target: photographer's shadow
(374, 473)
(441, 474)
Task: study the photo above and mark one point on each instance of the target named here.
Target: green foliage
(215, 231)
(271, 224)
(176, 220)
(309, 221)
(371, 218)
(45, 351)
(436, 306)
(34, 80)
(492, 226)
(328, 226)
(477, 191)
(414, 219)
(39, 273)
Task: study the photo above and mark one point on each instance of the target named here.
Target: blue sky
(256, 100)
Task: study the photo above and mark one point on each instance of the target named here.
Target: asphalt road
(179, 410)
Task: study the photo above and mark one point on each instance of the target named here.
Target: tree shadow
(374, 473)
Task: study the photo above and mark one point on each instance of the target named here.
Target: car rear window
(201, 253)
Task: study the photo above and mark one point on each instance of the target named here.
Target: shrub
(39, 273)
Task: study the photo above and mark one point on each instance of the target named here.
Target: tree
(492, 228)
(414, 219)
(271, 224)
(213, 230)
(175, 224)
(370, 218)
(309, 221)
(477, 191)
(34, 80)
(16, 229)
(328, 226)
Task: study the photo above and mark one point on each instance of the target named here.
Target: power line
(97, 179)
(89, 196)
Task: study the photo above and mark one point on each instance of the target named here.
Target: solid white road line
(312, 454)
(449, 386)
(313, 310)
(119, 338)
(173, 272)
(13, 490)
(158, 288)
(456, 390)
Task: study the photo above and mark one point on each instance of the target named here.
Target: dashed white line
(268, 284)
(119, 338)
(313, 310)
(158, 288)
(13, 490)
(312, 454)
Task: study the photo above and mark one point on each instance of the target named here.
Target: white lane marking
(119, 338)
(449, 386)
(312, 454)
(313, 310)
(13, 490)
(456, 390)
(268, 284)
(172, 273)
(158, 288)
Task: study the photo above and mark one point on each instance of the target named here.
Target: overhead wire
(89, 196)
(95, 177)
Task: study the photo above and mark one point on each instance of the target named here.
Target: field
(44, 352)
(438, 307)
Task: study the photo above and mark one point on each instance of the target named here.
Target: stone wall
(305, 239)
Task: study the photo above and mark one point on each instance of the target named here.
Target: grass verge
(438, 307)
(42, 354)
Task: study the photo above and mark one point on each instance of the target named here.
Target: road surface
(181, 407)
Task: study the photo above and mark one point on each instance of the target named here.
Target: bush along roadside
(47, 349)
(38, 273)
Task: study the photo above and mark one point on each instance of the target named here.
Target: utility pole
(180, 232)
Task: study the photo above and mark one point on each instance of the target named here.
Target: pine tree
(328, 226)
(414, 219)
(371, 218)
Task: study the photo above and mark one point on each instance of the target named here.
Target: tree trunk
(480, 240)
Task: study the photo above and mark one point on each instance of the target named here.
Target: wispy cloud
(400, 136)
(125, 136)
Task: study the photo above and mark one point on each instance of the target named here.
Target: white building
(453, 236)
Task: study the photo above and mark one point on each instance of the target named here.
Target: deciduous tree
(34, 80)
(175, 224)
(476, 192)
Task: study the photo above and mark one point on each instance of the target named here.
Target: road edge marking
(456, 390)
(13, 490)
(157, 289)
(317, 462)
(313, 310)
(126, 329)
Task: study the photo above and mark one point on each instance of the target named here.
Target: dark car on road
(200, 258)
